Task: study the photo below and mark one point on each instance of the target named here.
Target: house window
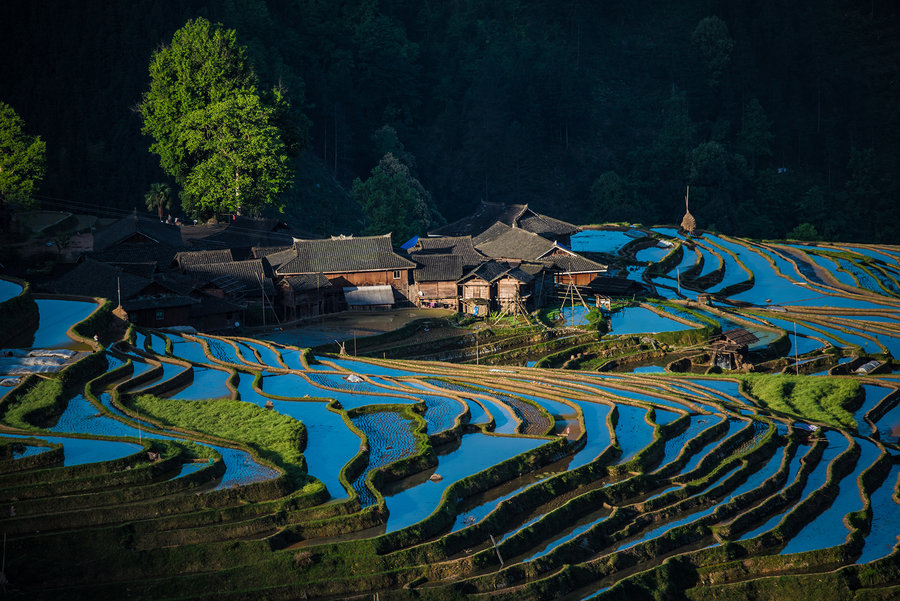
(160, 314)
(396, 274)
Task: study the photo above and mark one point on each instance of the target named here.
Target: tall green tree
(394, 201)
(214, 132)
(21, 160)
(158, 197)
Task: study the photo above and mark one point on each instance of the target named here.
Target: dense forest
(784, 118)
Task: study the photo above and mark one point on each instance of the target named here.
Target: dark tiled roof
(489, 271)
(246, 232)
(451, 245)
(438, 268)
(520, 216)
(339, 255)
(258, 252)
(740, 336)
(246, 273)
(520, 275)
(161, 233)
(307, 281)
(496, 230)
(194, 257)
(572, 264)
(513, 243)
(545, 226)
(277, 259)
(163, 255)
(93, 278)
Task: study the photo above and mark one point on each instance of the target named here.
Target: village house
(561, 264)
(496, 286)
(366, 269)
(514, 216)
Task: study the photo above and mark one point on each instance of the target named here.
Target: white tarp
(368, 296)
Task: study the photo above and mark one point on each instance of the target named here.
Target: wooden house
(515, 216)
(349, 262)
(506, 243)
(435, 281)
(495, 286)
(307, 295)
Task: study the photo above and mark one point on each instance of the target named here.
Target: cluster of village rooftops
(501, 258)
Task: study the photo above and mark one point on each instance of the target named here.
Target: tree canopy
(213, 131)
(21, 159)
(394, 201)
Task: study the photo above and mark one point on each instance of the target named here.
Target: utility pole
(796, 356)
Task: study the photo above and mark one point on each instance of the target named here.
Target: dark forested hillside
(777, 114)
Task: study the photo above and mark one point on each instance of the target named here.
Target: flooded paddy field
(337, 476)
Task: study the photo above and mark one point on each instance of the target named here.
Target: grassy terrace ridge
(640, 485)
(825, 400)
(278, 438)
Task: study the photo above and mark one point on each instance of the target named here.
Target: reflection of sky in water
(79, 451)
(474, 453)
(823, 531)
(600, 241)
(633, 320)
(793, 469)
(885, 516)
(651, 254)
(633, 433)
(56, 317)
(208, 384)
(8, 290)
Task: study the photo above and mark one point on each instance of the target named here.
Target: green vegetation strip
(275, 437)
(826, 400)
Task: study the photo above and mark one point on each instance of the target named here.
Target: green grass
(33, 408)
(825, 400)
(276, 437)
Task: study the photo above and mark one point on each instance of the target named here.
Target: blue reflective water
(78, 451)
(169, 370)
(390, 438)
(633, 433)
(56, 317)
(9, 289)
(208, 383)
(189, 350)
(571, 534)
(474, 453)
(295, 386)
(476, 514)
(883, 534)
(601, 241)
(793, 469)
(651, 254)
(828, 528)
(734, 426)
(874, 394)
(639, 320)
(889, 425)
(222, 350)
(675, 444)
(597, 432)
(371, 369)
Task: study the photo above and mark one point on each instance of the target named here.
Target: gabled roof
(307, 281)
(247, 232)
(438, 268)
(161, 254)
(277, 259)
(194, 257)
(258, 252)
(572, 264)
(93, 278)
(451, 245)
(237, 277)
(519, 216)
(144, 270)
(154, 230)
(489, 271)
(740, 336)
(344, 254)
(512, 243)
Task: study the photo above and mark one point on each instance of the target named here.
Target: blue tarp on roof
(409, 243)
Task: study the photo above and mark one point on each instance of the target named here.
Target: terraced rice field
(256, 470)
